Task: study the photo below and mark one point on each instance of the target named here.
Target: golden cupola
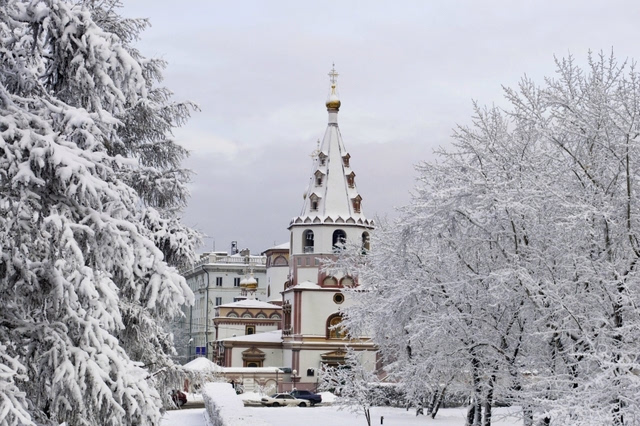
(333, 102)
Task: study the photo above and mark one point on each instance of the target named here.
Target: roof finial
(333, 103)
(333, 76)
(315, 153)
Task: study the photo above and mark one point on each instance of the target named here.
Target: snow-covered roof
(250, 303)
(307, 284)
(252, 370)
(203, 364)
(273, 336)
(334, 193)
(283, 246)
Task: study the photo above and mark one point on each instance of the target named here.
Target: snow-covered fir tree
(513, 274)
(90, 191)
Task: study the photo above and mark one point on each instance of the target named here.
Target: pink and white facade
(312, 301)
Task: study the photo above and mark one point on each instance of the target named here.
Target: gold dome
(333, 104)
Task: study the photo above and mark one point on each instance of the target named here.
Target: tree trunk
(527, 415)
(489, 402)
(367, 415)
(471, 413)
(438, 403)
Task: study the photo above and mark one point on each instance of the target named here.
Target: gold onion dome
(333, 102)
(250, 283)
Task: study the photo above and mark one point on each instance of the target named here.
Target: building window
(323, 158)
(250, 329)
(236, 282)
(330, 282)
(334, 327)
(218, 281)
(339, 240)
(338, 298)
(345, 160)
(308, 241)
(356, 203)
(314, 204)
(351, 180)
(365, 242)
(218, 301)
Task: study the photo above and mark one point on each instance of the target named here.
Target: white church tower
(331, 216)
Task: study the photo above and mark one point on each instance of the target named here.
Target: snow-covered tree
(90, 192)
(513, 271)
(354, 384)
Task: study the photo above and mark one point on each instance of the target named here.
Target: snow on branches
(89, 234)
(513, 273)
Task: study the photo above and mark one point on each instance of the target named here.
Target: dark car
(313, 398)
(178, 397)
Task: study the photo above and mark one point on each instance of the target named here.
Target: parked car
(313, 398)
(278, 399)
(179, 398)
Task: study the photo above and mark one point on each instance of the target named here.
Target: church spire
(332, 196)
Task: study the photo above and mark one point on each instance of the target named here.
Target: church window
(308, 241)
(314, 205)
(250, 329)
(339, 240)
(338, 298)
(236, 282)
(247, 315)
(347, 281)
(351, 180)
(335, 330)
(365, 242)
(323, 158)
(330, 282)
(356, 203)
(345, 160)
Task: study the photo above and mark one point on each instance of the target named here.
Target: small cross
(333, 75)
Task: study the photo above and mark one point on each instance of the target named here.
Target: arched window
(307, 241)
(365, 242)
(334, 327)
(339, 240)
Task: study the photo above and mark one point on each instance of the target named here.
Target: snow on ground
(330, 415)
(194, 417)
(322, 416)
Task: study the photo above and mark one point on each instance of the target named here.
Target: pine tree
(90, 193)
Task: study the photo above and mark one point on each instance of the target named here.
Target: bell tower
(332, 212)
(331, 217)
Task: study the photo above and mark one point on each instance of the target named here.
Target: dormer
(322, 158)
(314, 201)
(319, 177)
(345, 159)
(351, 180)
(355, 202)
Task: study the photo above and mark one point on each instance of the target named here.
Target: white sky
(409, 71)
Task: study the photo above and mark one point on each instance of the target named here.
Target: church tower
(331, 217)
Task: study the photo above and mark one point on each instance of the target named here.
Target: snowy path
(193, 417)
(322, 416)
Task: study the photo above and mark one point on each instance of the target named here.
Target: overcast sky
(409, 71)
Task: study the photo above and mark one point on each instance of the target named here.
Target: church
(307, 301)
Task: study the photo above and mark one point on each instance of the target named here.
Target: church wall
(273, 356)
(316, 308)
